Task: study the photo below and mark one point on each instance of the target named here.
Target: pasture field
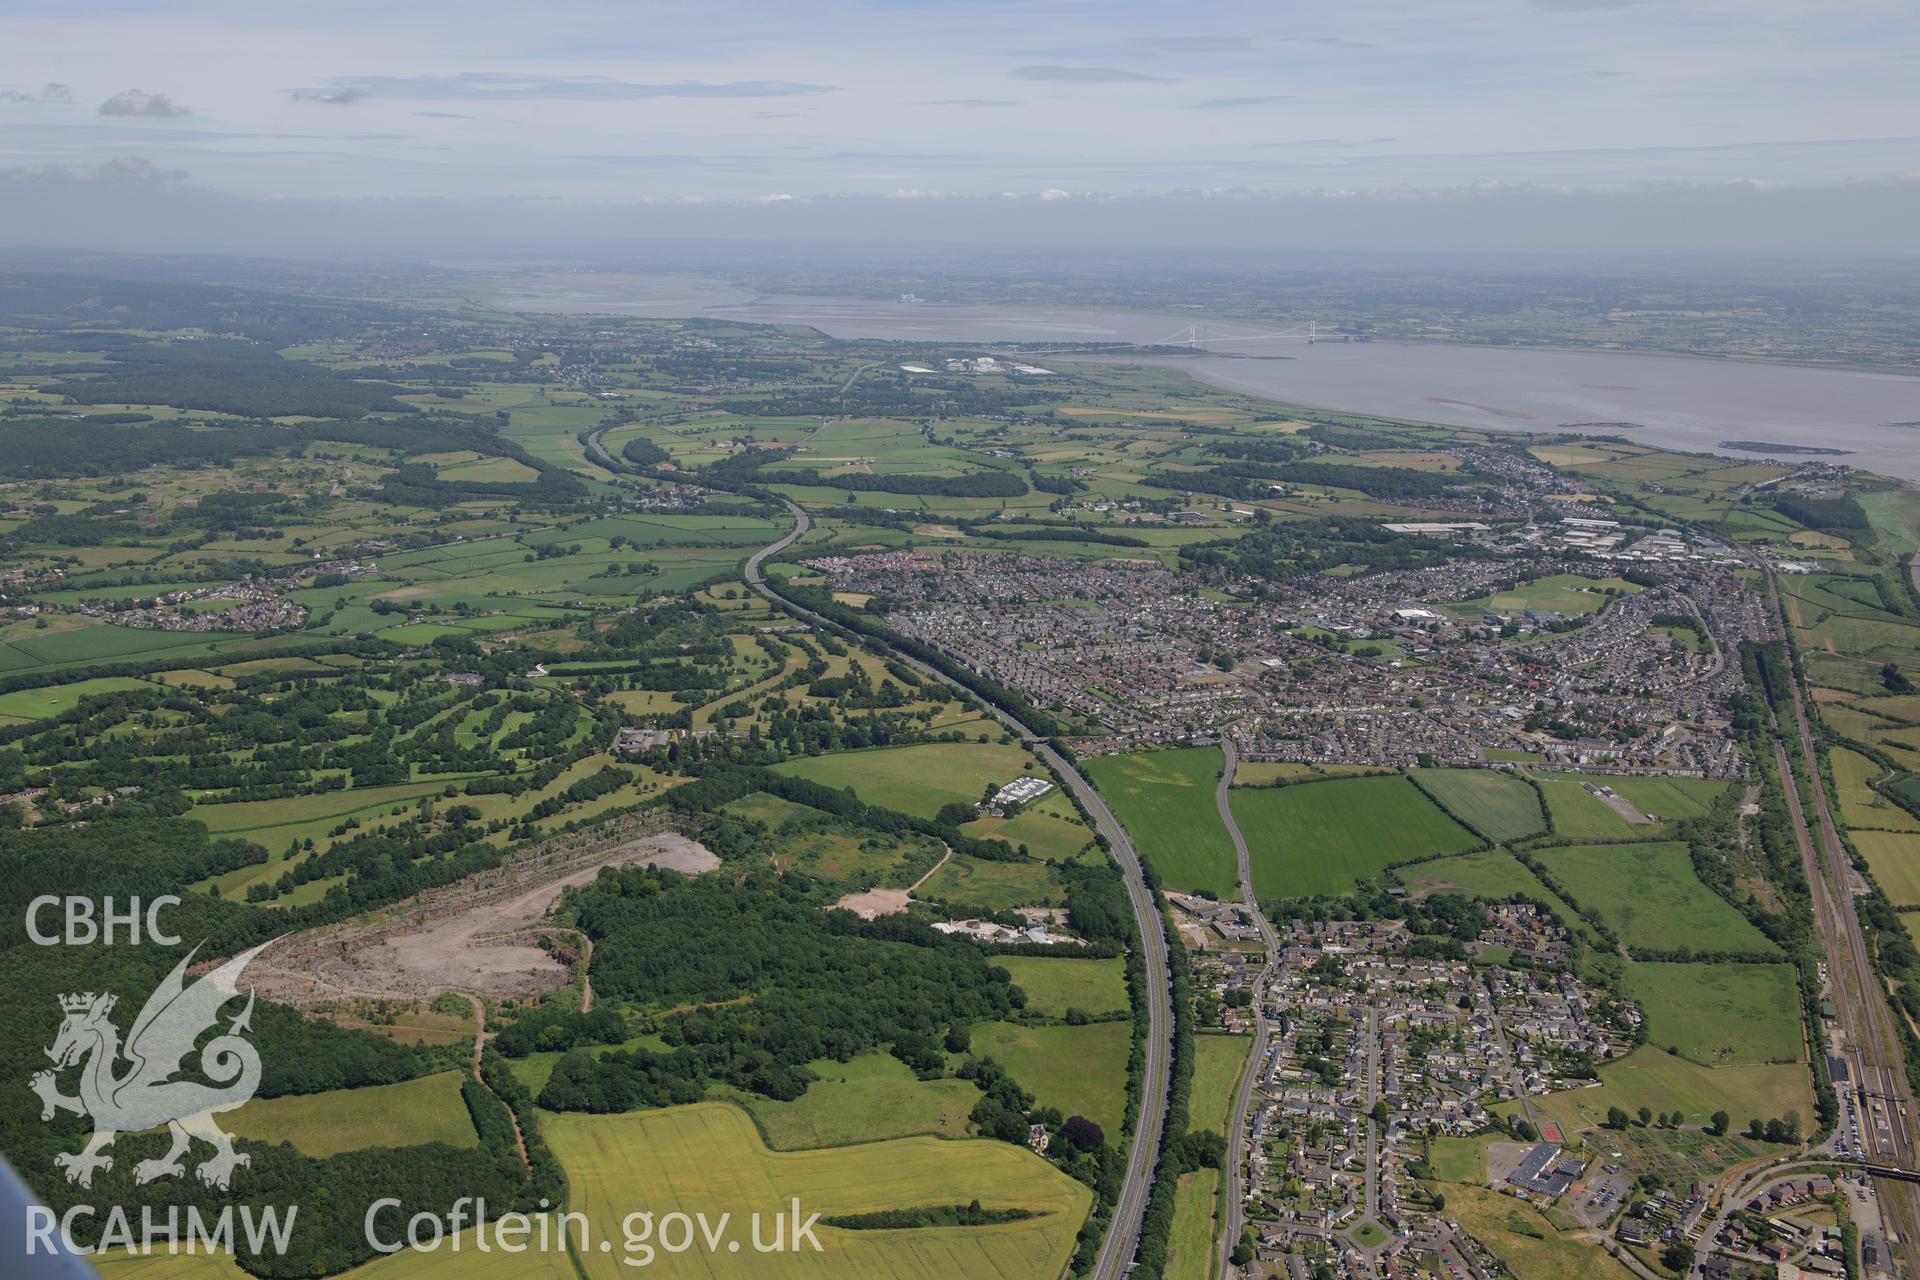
(1718, 1014)
(1324, 837)
(104, 641)
(1863, 808)
(917, 779)
(1190, 1244)
(50, 701)
(407, 1114)
(1217, 1064)
(869, 1097)
(1165, 801)
(1496, 804)
(1532, 1247)
(1670, 799)
(1650, 896)
(119, 1265)
(1459, 1159)
(1495, 874)
(1563, 593)
(1054, 986)
(994, 886)
(1490, 873)
(1580, 815)
(1260, 773)
(1081, 1070)
(770, 809)
(1661, 1081)
(708, 1158)
(859, 855)
(1894, 859)
(1049, 827)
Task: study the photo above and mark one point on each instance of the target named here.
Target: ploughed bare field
(480, 935)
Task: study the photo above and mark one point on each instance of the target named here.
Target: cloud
(488, 86)
(1085, 75)
(1584, 4)
(48, 93)
(134, 102)
(781, 115)
(345, 96)
(1199, 44)
(441, 115)
(967, 103)
(1330, 42)
(1259, 100)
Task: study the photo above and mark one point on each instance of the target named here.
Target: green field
(44, 703)
(1660, 1081)
(1580, 815)
(1324, 837)
(1460, 1159)
(1532, 1247)
(1670, 799)
(1217, 1064)
(1861, 806)
(1190, 1243)
(1055, 985)
(1651, 898)
(1165, 801)
(1717, 1014)
(1894, 860)
(870, 1097)
(1490, 873)
(1498, 805)
(986, 885)
(917, 779)
(1080, 1070)
(706, 1158)
(1564, 593)
(1049, 827)
(386, 1115)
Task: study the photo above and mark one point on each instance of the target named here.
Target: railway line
(1876, 1092)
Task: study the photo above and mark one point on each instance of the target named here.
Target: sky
(1194, 121)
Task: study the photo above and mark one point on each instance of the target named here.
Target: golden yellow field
(708, 1158)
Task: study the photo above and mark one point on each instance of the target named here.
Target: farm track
(1123, 1234)
(479, 1048)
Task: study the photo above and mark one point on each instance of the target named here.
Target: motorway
(1880, 1094)
(1236, 1194)
(1123, 1236)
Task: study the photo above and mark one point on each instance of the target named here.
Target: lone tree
(1082, 1134)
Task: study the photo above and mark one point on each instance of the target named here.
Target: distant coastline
(1762, 446)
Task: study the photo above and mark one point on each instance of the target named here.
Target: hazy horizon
(1709, 126)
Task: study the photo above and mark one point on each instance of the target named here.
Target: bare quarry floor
(480, 935)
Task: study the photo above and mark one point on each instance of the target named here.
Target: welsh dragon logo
(144, 1095)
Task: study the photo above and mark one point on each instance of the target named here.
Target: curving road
(1123, 1236)
(1243, 1097)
